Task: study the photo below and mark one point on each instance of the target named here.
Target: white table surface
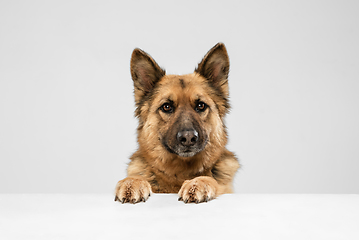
(231, 216)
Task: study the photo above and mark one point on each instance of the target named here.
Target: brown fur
(181, 133)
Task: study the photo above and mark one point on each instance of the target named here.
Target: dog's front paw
(199, 189)
(133, 190)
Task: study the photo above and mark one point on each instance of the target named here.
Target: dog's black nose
(187, 137)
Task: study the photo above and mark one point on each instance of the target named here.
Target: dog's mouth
(185, 152)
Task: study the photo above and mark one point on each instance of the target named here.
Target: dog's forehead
(189, 87)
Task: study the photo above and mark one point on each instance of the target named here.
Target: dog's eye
(167, 108)
(200, 107)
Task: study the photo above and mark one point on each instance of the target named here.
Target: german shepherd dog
(181, 134)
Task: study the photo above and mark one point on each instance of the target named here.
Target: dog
(181, 133)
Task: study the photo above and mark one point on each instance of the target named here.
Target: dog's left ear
(215, 67)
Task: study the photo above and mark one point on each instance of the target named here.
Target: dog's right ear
(145, 73)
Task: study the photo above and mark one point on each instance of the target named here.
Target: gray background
(66, 97)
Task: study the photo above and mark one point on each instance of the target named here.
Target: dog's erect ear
(145, 72)
(215, 67)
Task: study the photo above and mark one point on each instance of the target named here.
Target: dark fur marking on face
(185, 121)
(183, 85)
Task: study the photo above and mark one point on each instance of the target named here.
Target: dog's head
(181, 114)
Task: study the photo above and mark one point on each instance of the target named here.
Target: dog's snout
(187, 138)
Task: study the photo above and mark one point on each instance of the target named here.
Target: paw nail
(116, 198)
(180, 199)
